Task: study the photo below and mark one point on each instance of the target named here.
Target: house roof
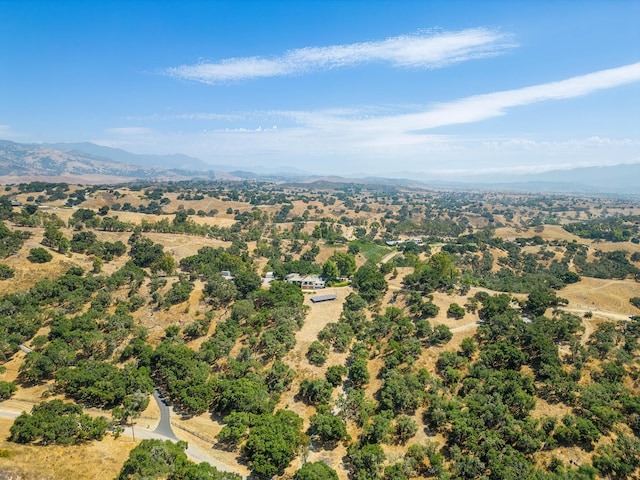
(323, 298)
(296, 277)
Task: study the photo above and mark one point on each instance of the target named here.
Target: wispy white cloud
(133, 131)
(375, 123)
(490, 105)
(8, 133)
(372, 138)
(524, 169)
(189, 116)
(368, 121)
(590, 143)
(423, 50)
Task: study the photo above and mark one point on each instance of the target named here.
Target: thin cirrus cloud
(483, 107)
(367, 136)
(368, 123)
(129, 131)
(424, 50)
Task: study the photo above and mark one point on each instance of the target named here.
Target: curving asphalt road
(164, 425)
(163, 431)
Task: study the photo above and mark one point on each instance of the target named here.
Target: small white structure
(306, 282)
(226, 274)
(268, 278)
(393, 243)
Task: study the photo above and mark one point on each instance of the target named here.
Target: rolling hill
(90, 163)
(27, 162)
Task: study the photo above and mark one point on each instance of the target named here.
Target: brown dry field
(606, 299)
(550, 232)
(556, 232)
(102, 459)
(220, 220)
(27, 273)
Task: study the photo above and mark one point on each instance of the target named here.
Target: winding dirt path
(389, 256)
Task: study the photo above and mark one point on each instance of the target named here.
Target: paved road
(195, 453)
(162, 432)
(164, 425)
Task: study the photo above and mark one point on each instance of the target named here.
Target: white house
(306, 282)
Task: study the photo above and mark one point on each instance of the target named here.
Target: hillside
(621, 179)
(498, 345)
(175, 161)
(90, 163)
(25, 162)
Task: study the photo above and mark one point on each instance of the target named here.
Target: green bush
(329, 428)
(274, 442)
(39, 255)
(335, 374)
(317, 353)
(456, 311)
(6, 272)
(316, 471)
(315, 392)
(56, 422)
(7, 389)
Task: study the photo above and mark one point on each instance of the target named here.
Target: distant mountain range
(90, 163)
(26, 162)
(170, 162)
(623, 178)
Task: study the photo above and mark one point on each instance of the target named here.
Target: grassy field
(372, 251)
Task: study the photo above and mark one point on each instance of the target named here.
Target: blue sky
(340, 87)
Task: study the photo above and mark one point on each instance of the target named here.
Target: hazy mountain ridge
(89, 162)
(622, 178)
(33, 160)
(170, 161)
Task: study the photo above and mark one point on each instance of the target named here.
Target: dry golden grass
(607, 299)
(27, 273)
(602, 297)
(90, 461)
(556, 232)
(201, 431)
(550, 232)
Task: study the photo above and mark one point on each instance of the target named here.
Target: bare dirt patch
(602, 297)
(550, 232)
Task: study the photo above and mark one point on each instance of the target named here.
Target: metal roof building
(323, 298)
